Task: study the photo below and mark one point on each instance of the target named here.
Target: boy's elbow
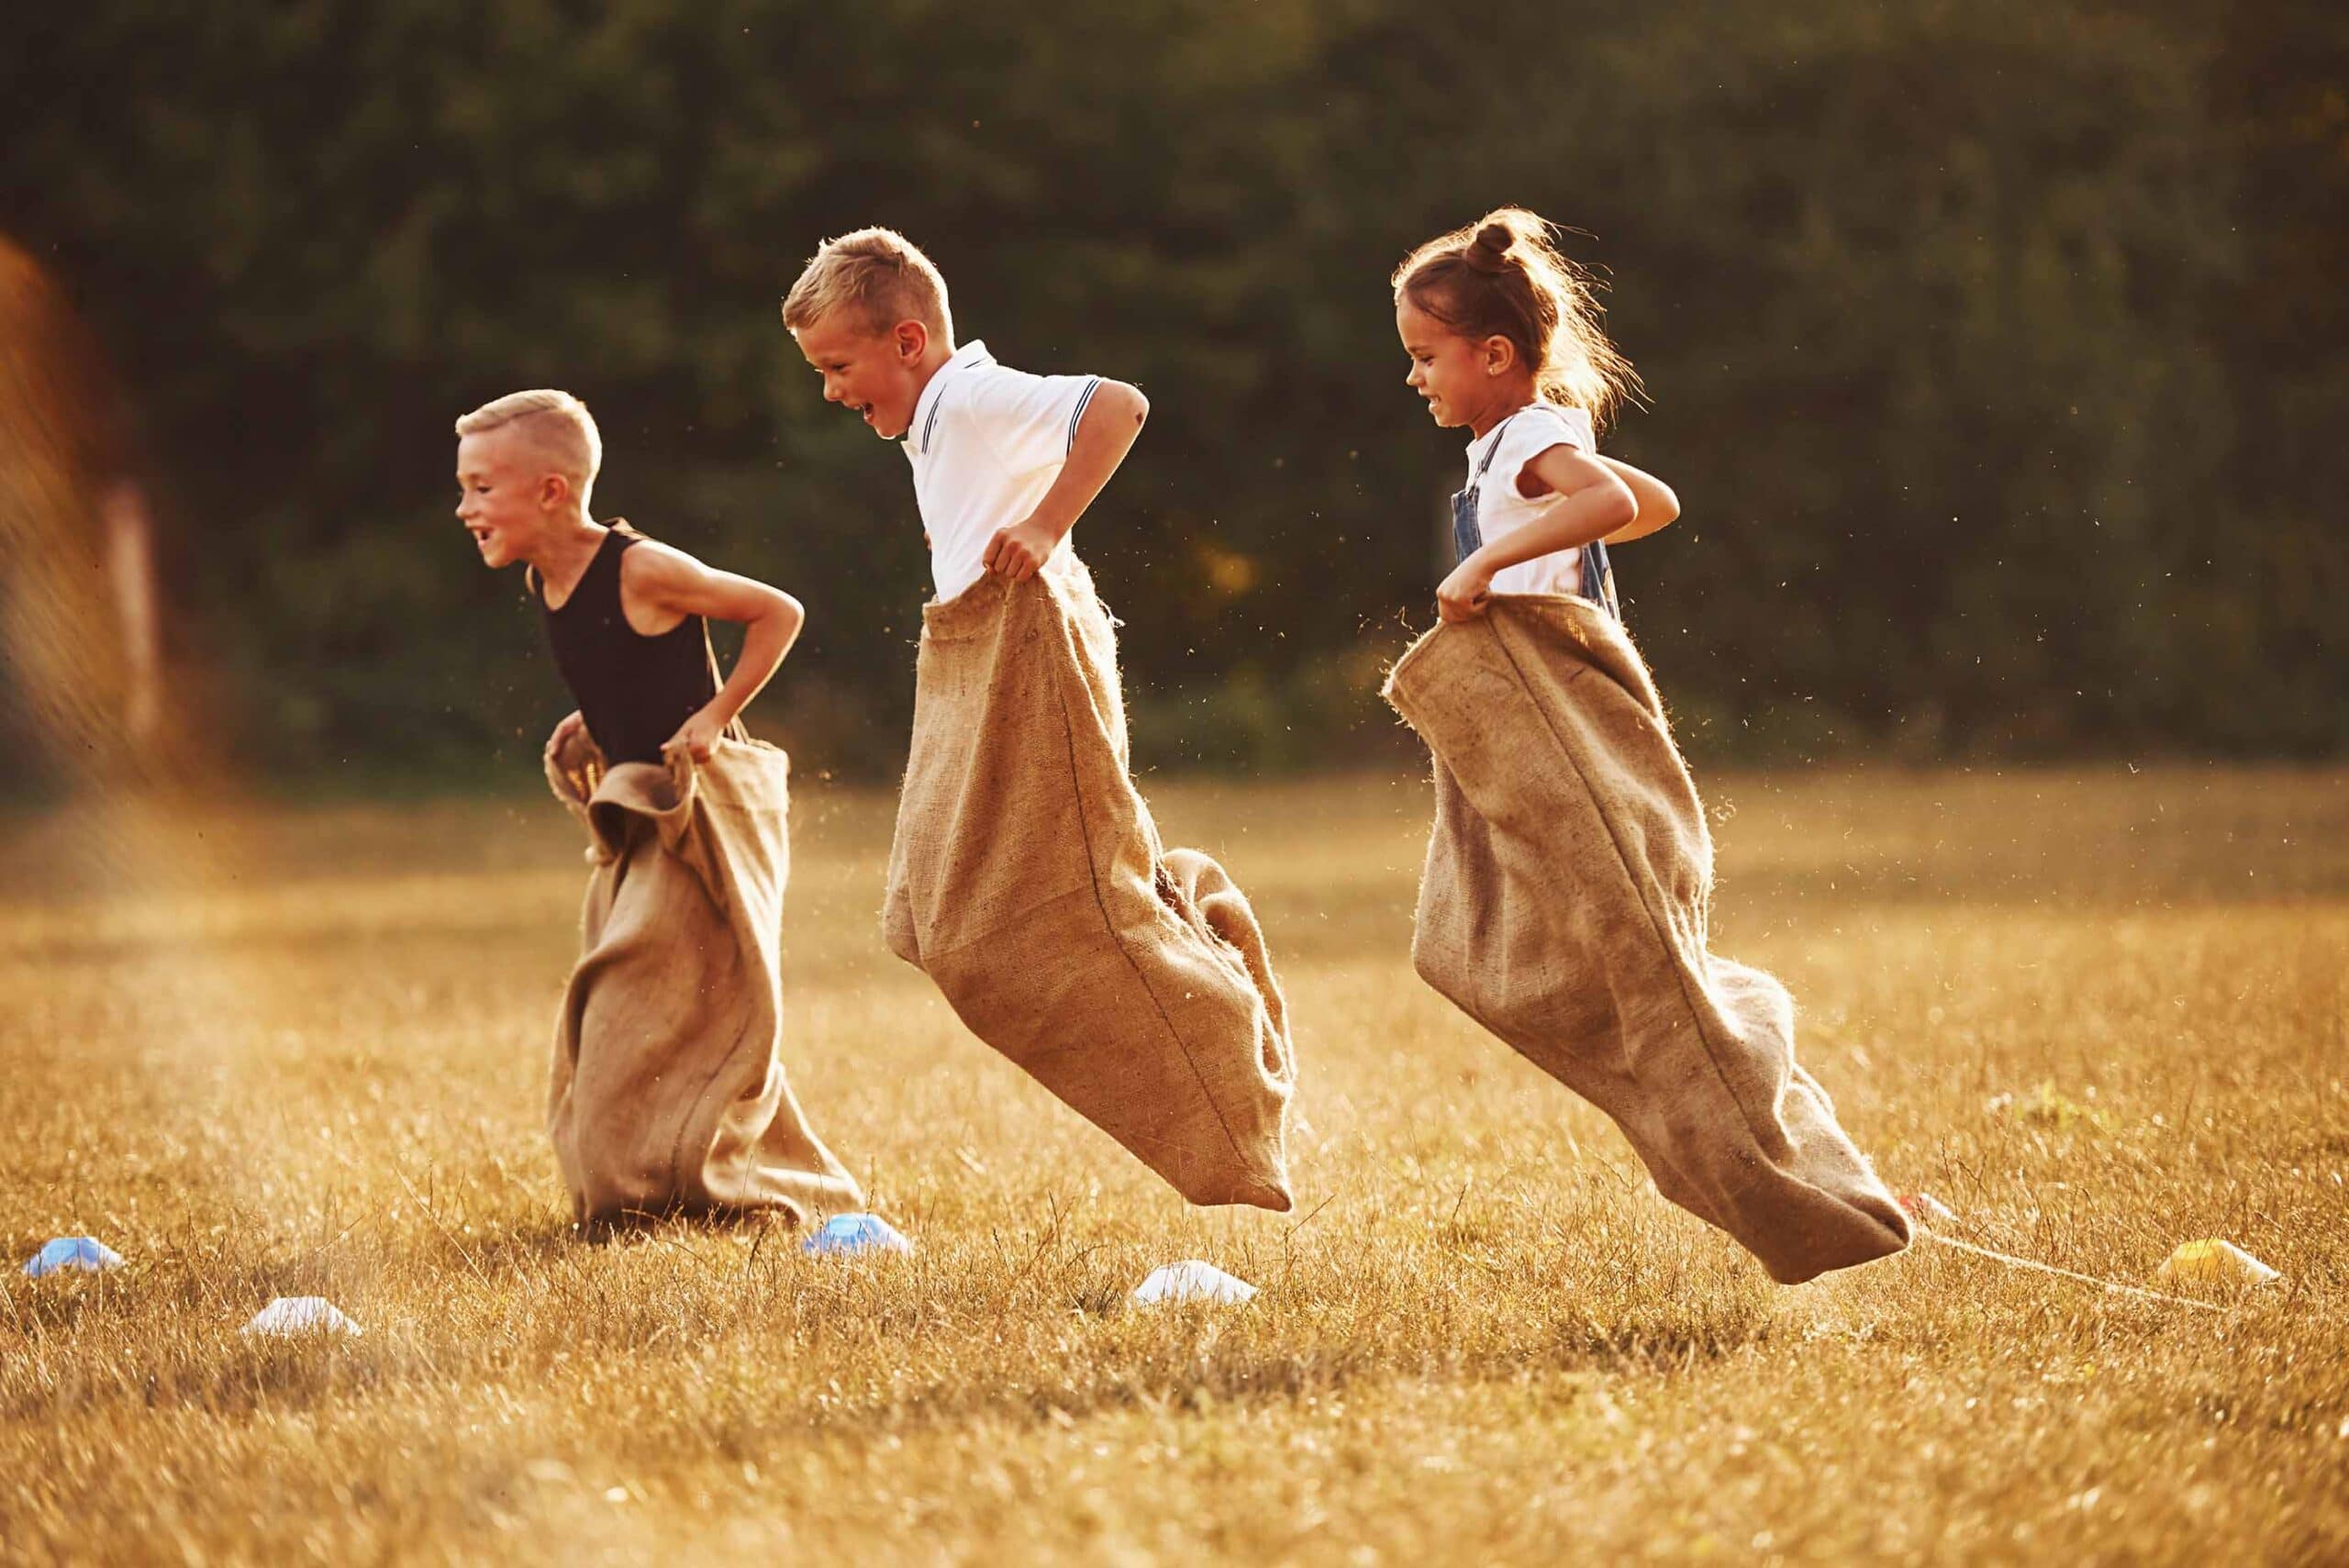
(788, 614)
(1134, 406)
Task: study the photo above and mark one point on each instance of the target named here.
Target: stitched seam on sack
(728, 912)
(596, 956)
(700, 1100)
(1084, 830)
(743, 1043)
(1696, 1017)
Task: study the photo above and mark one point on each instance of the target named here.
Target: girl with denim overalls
(1504, 338)
(1564, 902)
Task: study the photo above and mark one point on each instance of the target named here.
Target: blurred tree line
(1995, 349)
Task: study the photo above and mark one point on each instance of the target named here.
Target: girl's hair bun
(1503, 275)
(1489, 250)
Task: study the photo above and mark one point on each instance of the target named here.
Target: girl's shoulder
(1535, 429)
(1549, 423)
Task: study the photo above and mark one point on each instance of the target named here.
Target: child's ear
(912, 340)
(1500, 354)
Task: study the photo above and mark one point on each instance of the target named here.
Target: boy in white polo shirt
(1026, 876)
(1004, 461)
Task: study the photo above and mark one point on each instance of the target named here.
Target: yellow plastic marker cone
(2214, 1262)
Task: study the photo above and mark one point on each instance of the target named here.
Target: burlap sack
(1565, 907)
(667, 1096)
(1028, 881)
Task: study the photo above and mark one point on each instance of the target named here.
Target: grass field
(304, 1052)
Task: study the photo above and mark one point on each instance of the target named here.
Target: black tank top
(633, 690)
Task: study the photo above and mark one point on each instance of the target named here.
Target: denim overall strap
(1467, 538)
(1598, 578)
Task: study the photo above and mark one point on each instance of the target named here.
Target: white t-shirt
(1502, 508)
(985, 443)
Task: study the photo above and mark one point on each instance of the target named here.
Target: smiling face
(508, 497)
(1465, 380)
(877, 375)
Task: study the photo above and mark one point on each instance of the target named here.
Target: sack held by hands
(667, 1095)
(1565, 907)
(1028, 880)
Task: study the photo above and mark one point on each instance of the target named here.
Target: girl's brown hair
(1503, 277)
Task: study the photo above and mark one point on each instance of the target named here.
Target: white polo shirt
(985, 443)
(1502, 508)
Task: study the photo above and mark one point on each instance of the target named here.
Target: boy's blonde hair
(555, 422)
(1504, 276)
(877, 273)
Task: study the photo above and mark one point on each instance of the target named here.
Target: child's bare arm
(673, 584)
(1593, 504)
(1106, 433)
(1658, 506)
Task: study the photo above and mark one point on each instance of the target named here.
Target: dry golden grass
(303, 1054)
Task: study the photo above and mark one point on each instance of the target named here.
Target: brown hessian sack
(1565, 907)
(1028, 881)
(667, 1096)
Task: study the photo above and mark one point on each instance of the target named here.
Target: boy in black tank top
(636, 694)
(635, 648)
(667, 1093)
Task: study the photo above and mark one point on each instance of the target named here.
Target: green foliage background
(1995, 349)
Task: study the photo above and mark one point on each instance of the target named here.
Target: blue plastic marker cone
(79, 1255)
(851, 1233)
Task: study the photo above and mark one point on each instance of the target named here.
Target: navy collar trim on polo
(973, 353)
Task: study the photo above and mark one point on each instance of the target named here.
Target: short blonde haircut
(556, 423)
(877, 273)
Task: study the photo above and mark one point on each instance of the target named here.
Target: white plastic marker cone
(301, 1315)
(73, 1254)
(1191, 1280)
(1926, 1209)
(2214, 1262)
